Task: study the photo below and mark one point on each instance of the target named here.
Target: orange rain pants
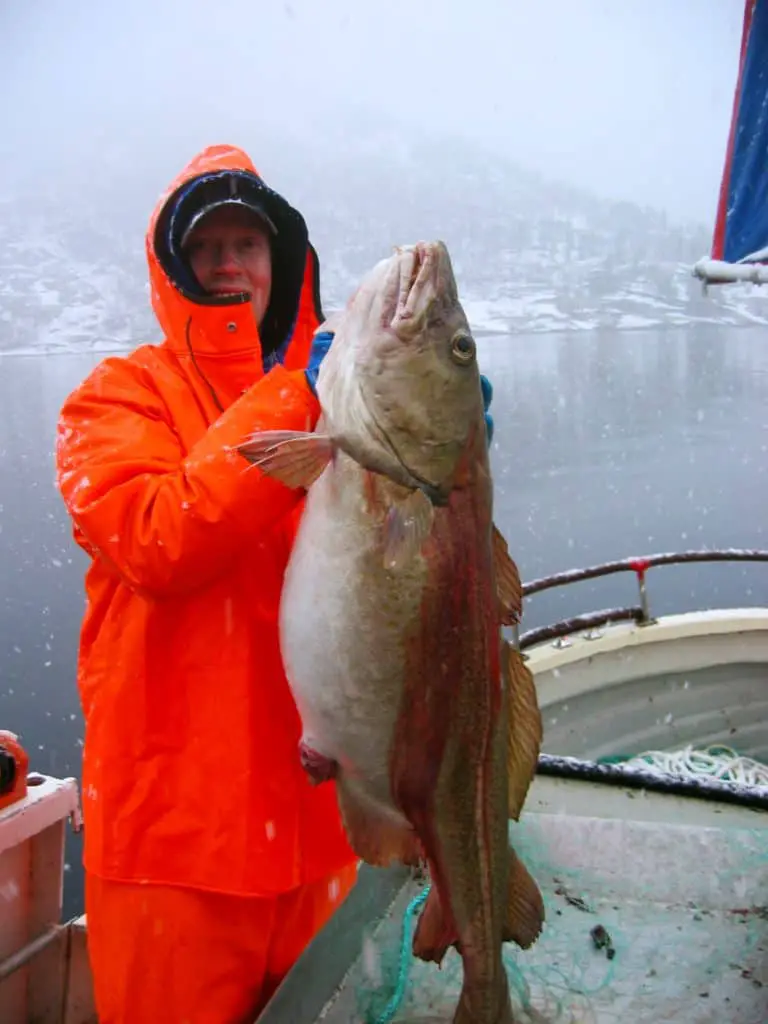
(184, 956)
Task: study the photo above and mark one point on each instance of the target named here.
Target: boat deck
(685, 907)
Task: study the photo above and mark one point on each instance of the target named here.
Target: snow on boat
(740, 243)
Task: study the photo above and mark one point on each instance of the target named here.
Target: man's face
(228, 251)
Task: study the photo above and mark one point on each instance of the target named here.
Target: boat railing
(640, 613)
(721, 272)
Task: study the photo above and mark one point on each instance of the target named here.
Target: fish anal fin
(525, 729)
(407, 525)
(524, 917)
(376, 837)
(433, 936)
(509, 588)
(295, 458)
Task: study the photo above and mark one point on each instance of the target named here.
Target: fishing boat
(611, 831)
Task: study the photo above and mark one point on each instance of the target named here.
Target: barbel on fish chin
(394, 597)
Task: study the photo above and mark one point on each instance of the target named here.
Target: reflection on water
(606, 445)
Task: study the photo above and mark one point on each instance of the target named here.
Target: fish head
(401, 377)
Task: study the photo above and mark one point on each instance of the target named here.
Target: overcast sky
(631, 98)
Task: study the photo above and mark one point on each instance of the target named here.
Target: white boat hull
(699, 678)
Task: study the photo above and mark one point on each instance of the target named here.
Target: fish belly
(343, 624)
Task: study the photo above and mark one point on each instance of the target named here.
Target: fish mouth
(420, 267)
(421, 273)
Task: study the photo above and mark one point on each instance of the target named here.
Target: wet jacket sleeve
(167, 521)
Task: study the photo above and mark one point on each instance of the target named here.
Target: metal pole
(641, 566)
(25, 954)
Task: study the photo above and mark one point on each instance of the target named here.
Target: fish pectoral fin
(376, 837)
(407, 525)
(295, 458)
(525, 728)
(509, 588)
(524, 913)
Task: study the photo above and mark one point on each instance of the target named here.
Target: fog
(631, 100)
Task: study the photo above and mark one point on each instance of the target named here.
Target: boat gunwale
(638, 614)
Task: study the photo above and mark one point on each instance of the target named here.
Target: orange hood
(189, 317)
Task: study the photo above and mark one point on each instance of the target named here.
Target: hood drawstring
(207, 383)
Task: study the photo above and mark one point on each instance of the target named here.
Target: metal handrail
(639, 565)
(591, 621)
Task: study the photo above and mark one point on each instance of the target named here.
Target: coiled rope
(715, 762)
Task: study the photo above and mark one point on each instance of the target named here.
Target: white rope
(717, 762)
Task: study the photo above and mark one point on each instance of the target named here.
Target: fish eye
(463, 348)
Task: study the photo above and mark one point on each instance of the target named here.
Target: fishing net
(688, 933)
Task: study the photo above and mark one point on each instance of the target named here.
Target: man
(210, 859)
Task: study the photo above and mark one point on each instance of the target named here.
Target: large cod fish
(391, 617)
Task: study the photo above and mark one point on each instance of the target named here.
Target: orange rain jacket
(191, 773)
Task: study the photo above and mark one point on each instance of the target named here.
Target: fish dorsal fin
(525, 729)
(524, 913)
(508, 586)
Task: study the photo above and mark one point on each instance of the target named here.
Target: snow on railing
(720, 272)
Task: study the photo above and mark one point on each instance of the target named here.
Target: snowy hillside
(530, 255)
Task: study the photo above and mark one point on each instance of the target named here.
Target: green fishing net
(613, 949)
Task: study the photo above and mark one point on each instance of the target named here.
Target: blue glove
(487, 389)
(320, 345)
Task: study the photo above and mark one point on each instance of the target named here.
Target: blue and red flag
(740, 243)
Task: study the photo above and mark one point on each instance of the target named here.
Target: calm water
(607, 445)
